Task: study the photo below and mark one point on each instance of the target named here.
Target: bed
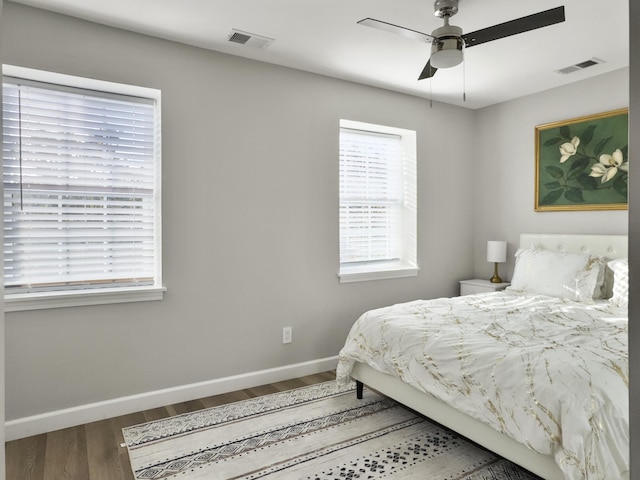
(536, 375)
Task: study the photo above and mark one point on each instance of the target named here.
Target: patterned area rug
(318, 432)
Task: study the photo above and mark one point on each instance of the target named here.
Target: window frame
(97, 296)
(407, 264)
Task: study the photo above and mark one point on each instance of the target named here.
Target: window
(81, 174)
(378, 207)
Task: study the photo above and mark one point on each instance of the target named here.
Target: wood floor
(92, 451)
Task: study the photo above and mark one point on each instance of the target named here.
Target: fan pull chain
(464, 76)
(430, 93)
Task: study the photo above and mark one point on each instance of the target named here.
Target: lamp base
(496, 278)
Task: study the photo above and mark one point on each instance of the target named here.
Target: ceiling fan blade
(514, 27)
(428, 71)
(390, 27)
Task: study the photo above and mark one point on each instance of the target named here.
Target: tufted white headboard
(607, 246)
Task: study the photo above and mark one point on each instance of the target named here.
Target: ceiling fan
(448, 41)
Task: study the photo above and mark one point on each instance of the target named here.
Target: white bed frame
(609, 246)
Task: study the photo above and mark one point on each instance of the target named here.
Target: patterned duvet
(550, 373)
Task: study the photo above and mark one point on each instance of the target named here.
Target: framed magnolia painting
(582, 163)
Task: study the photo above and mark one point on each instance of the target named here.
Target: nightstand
(478, 285)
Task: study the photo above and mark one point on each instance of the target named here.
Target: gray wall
(504, 168)
(250, 226)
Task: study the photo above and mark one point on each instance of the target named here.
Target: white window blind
(370, 196)
(378, 207)
(80, 189)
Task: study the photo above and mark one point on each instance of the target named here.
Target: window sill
(37, 301)
(378, 272)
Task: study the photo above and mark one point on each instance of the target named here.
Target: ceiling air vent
(250, 39)
(580, 66)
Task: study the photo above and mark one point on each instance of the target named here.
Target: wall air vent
(250, 39)
(580, 66)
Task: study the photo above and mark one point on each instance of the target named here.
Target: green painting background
(571, 182)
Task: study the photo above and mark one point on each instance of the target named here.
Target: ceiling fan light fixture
(448, 43)
(446, 52)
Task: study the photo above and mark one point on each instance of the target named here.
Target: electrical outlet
(287, 335)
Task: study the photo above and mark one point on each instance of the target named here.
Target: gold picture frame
(582, 163)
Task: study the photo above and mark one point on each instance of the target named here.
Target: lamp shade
(496, 251)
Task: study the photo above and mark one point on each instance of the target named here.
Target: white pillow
(574, 276)
(620, 267)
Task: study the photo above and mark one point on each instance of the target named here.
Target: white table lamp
(496, 253)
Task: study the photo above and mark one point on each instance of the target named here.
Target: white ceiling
(322, 36)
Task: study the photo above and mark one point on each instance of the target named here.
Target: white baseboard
(69, 417)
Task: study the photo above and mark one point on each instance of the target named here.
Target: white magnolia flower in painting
(568, 149)
(609, 165)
